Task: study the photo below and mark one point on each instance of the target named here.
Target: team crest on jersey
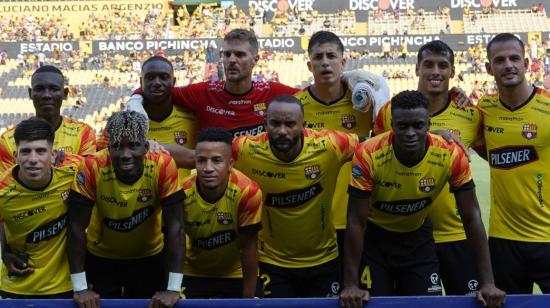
(180, 137)
(426, 185)
(144, 195)
(529, 131)
(259, 109)
(65, 195)
(312, 172)
(224, 218)
(348, 121)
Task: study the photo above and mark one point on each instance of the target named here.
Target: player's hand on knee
(353, 297)
(462, 99)
(86, 299)
(491, 296)
(164, 299)
(17, 264)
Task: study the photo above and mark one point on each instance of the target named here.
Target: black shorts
(136, 278)
(340, 238)
(316, 281)
(400, 263)
(206, 287)
(457, 266)
(64, 295)
(517, 265)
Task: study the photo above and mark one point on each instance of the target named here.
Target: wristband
(174, 281)
(79, 281)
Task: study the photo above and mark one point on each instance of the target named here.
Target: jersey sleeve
(87, 141)
(103, 140)
(383, 120)
(169, 190)
(460, 168)
(345, 144)
(361, 183)
(237, 146)
(250, 208)
(83, 189)
(6, 156)
(279, 89)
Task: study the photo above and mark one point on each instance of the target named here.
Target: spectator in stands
(520, 212)
(230, 268)
(3, 57)
(122, 247)
(48, 92)
(33, 227)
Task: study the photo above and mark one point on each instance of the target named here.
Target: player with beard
(296, 169)
(518, 154)
(169, 124)
(47, 93)
(121, 247)
(34, 216)
(222, 216)
(435, 68)
(395, 178)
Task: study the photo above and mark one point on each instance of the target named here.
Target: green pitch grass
(480, 172)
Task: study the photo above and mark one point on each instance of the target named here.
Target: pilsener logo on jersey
(215, 240)
(512, 156)
(130, 223)
(293, 198)
(47, 231)
(403, 207)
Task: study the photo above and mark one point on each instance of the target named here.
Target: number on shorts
(365, 277)
(265, 281)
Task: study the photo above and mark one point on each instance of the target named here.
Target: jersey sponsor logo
(539, 190)
(220, 111)
(529, 131)
(269, 174)
(403, 207)
(510, 119)
(312, 172)
(239, 102)
(315, 125)
(356, 172)
(512, 156)
(493, 129)
(113, 199)
(348, 121)
(130, 223)
(249, 130)
(215, 240)
(180, 137)
(259, 109)
(28, 213)
(390, 184)
(66, 149)
(293, 198)
(144, 195)
(224, 218)
(426, 185)
(43, 195)
(544, 111)
(80, 178)
(47, 231)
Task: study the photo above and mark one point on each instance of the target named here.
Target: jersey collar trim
(327, 103)
(535, 90)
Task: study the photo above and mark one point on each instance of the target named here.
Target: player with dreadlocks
(123, 250)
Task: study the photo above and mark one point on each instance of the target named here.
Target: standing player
(47, 92)
(297, 170)
(123, 247)
(518, 155)
(34, 216)
(237, 103)
(395, 178)
(434, 68)
(168, 124)
(327, 105)
(222, 218)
